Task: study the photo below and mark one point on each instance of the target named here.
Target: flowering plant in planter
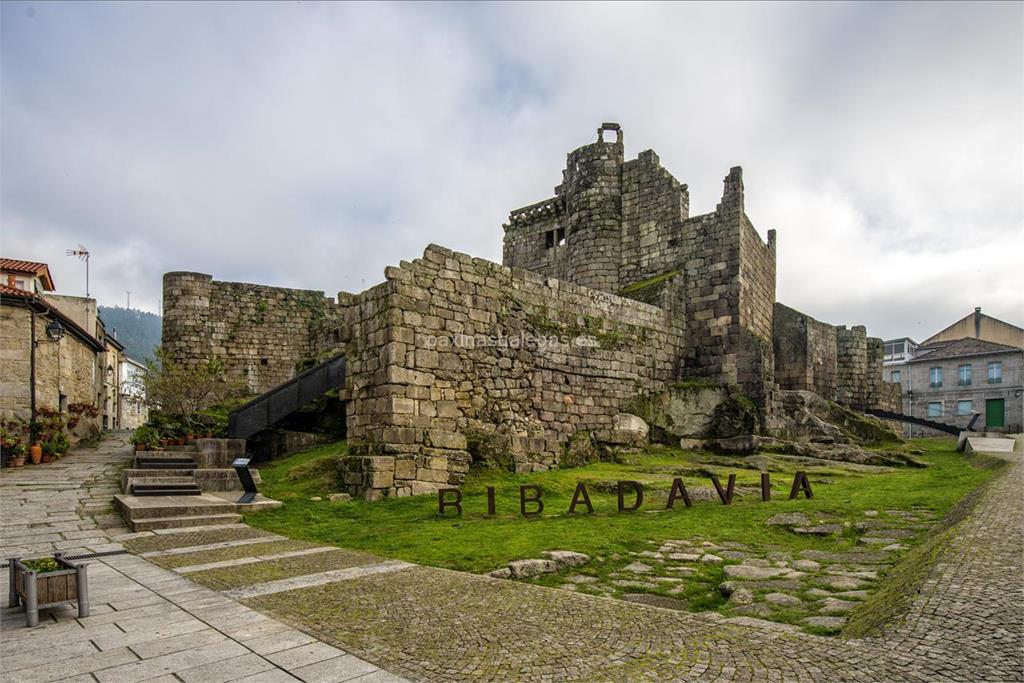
(48, 582)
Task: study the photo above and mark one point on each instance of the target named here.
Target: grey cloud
(310, 145)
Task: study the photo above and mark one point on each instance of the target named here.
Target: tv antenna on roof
(83, 255)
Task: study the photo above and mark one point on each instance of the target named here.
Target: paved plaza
(146, 622)
(235, 603)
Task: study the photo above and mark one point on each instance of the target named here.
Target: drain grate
(79, 556)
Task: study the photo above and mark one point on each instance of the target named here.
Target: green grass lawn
(410, 528)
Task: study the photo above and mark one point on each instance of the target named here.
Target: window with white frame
(935, 409)
(964, 375)
(995, 372)
(964, 407)
(935, 377)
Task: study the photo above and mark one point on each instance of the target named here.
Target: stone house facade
(952, 381)
(38, 371)
(609, 290)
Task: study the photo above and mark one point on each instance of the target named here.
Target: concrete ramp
(982, 444)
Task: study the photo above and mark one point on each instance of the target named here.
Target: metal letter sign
(241, 466)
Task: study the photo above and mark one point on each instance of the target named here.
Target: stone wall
(453, 350)
(805, 353)
(837, 363)
(729, 288)
(627, 230)
(653, 204)
(852, 367)
(262, 334)
(66, 369)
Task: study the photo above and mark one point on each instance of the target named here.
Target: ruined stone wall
(805, 353)
(653, 205)
(529, 238)
(452, 350)
(728, 297)
(260, 333)
(852, 367)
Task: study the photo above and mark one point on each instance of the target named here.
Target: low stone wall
(451, 347)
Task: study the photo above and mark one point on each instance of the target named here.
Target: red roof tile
(40, 270)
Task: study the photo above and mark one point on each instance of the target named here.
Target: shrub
(43, 565)
(145, 436)
(181, 391)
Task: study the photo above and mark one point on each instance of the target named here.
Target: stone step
(187, 448)
(186, 488)
(183, 521)
(150, 462)
(172, 506)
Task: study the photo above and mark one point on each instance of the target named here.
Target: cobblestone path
(146, 622)
(966, 624)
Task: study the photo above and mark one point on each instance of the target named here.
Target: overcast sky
(311, 145)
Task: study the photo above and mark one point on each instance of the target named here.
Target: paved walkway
(146, 622)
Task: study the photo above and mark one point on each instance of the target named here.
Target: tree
(182, 391)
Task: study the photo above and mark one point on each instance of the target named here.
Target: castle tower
(592, 187)
(186, 316)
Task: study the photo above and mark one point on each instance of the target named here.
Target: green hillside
(139, 331)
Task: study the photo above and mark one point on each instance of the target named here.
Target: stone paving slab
(242, 561)
(208, 555)
(146, 622)
(319, 579)
(272, 570)
(195, 537)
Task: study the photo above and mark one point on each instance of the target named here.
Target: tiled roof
(40, 270)
(960, 347)
(14, 292)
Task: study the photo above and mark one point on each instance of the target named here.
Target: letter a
(442, 503)
(678, 491)
(581, 490)
(800, 482)
(725, 495)
(523, 500)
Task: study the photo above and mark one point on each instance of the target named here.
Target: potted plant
(48, 582)
(145, 438)
(16, 455)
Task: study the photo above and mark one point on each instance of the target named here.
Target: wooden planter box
(37, 591)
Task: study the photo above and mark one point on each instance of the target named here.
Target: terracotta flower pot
(16, 461)
(35, 451)
(179, 442)
(47, 457)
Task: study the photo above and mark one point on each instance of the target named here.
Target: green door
(994, 416)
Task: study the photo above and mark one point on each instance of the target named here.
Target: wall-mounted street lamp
(110, 371)
(55, 331)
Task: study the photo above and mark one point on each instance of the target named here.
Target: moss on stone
(649, 282)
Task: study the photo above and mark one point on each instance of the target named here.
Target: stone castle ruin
(612, 301)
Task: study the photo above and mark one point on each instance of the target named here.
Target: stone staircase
(185, 486)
